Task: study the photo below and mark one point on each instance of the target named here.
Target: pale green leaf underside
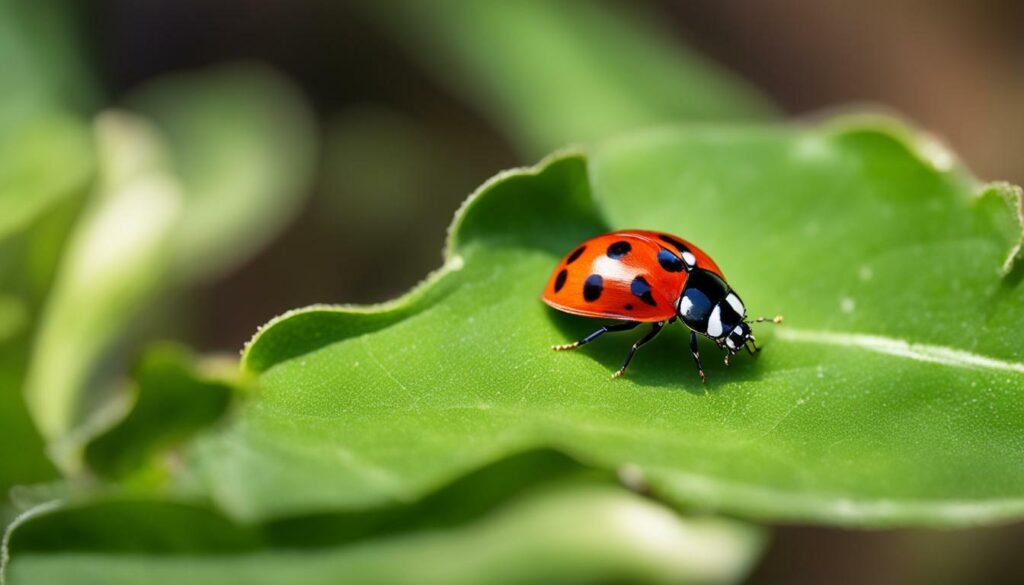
(579, 533)
(116, 258)
(889, 397)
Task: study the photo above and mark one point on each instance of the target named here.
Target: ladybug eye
(738, 335)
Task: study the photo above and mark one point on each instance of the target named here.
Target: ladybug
(650, 277)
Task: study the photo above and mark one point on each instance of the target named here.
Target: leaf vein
(922, 352)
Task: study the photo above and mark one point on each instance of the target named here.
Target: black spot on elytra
(560, 279)
(575, 255)
(628, 307)
(618, 250)
(593, 287)
(675, 243)
(641, 289)
(669, 261)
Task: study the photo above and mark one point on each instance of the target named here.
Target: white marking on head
(715, 322)
(729, 343)
(684, 305)
(690, 259)
(736, 304)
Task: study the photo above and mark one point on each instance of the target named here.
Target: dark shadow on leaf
(467, 498)
(664, 362)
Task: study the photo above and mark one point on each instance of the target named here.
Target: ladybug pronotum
(650, 277)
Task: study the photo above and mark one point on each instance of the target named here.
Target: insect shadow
(664, 362)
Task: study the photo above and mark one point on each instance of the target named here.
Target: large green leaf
(889, 397)
(574, 532)
(551, 73)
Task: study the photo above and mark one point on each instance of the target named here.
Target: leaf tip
(457, 230)
(926, 147)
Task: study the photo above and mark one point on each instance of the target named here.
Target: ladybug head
(728, 323)
(708, 306)
(737, 338)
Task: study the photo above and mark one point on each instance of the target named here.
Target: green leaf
(887, 398)
(242, 141)
(575, 532)
(552, 73)
(115, 262)
(175, 397)
(45, 158)
(45, 163)
(27, 461)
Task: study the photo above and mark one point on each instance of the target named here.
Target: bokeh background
(409, 115)
(403, 145)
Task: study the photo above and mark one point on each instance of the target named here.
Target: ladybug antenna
(775, 319)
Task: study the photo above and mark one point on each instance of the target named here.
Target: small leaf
(576, 532)
(887, 398)
(175, 398)
(552, 73)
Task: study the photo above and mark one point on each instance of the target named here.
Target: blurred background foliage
(186, 170)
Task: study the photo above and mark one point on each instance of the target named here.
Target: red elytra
(637, 276)
(618, 272)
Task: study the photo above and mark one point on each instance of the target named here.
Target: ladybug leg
(606, 329)
(752, 342)
(696, 356)
(640, 343)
